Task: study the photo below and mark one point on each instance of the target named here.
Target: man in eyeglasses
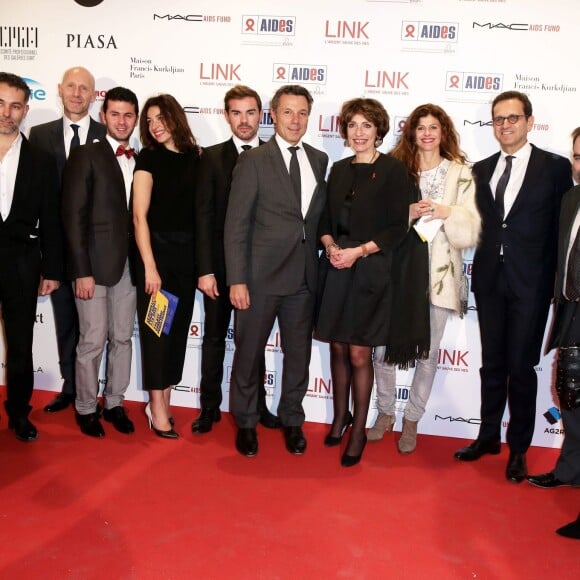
(519, 190)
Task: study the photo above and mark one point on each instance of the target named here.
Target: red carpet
(139, 507)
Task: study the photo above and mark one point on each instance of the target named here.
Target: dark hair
(575, 135)
(296, 90)
(523, 98)
(15, 82)
(121, 94)
(406, 149)
(241, 92)
(174, 119)
(370, 109)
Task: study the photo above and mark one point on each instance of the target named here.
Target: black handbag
(568, 377)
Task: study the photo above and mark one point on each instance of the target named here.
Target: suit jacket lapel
(533, 170)
(93, 133)
(57, 142)
(22, 184)
(282, 171)
(315, 165)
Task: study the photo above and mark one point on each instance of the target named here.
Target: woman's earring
(378, 142)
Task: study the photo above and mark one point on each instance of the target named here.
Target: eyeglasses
(511, 119)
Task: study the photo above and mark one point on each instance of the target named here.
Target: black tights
(351, 366)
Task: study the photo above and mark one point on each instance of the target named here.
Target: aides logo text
(429, 31)
(277, 25)
(473, 82)
(302, 73)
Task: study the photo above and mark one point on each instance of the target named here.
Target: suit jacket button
(504, 225)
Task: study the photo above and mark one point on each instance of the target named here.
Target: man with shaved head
(74, 128)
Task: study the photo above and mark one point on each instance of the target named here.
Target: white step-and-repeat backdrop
(456, 53)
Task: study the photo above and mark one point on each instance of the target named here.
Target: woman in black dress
(366, 218)
(163, 215)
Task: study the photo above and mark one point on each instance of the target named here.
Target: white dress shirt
(255, 142)
(8, 171)
(83, 124)
(519, 165)
(127, 166)
(307, 177)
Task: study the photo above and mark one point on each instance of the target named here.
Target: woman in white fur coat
(448, 219)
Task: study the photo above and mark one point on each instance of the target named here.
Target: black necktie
(573, 271)
(246, 147)
(502, 184)
(295, 173)
(75, 141)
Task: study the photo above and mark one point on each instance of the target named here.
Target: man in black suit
(75, 127)
(242, 110)
(271, 245)
(565, 335)
(30, 246)
(518, 193)
(96, 189)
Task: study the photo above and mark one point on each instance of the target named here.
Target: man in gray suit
(74, 128)
(96, 188)
(277, 196)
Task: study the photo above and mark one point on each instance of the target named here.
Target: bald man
(74, 128)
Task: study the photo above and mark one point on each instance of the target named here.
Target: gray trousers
(385, 374)
(109, 315)
(568, 465)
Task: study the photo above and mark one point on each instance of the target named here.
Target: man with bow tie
(96, 191)
(74, 128)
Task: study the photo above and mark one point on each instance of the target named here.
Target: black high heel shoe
(170, 434)
(352, 460)
(331, 440)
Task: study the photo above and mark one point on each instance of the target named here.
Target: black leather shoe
(90, 425)
(118, 416)
(205, 421)
(546, 480)
(295, 440)
(59, 403)
(23, 429)
(478, 448)
(247, 442)
(268, 419)
(571, 530)
(517, 468)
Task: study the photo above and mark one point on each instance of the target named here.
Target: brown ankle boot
(383, 424)
(408, 440)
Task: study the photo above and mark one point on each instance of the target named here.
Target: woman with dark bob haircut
(429, 147)
(366, 218)
(163, 216)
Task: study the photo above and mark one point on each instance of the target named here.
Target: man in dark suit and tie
(518, 193)
(96, 190)
(565, 335)
(75, 127)
(242, 110)
(30, 246)
(277, 196)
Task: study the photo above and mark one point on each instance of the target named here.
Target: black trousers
(19, 280)
(66, 321)
(215, 329)
(295, 315)
(512, 329)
